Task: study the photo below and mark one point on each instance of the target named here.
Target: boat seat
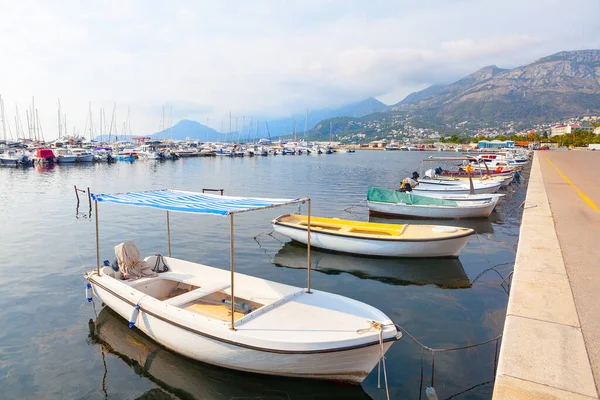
(196, 294)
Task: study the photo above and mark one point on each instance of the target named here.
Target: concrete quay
(551, 342)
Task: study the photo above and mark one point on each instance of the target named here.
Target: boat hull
(9, 162)
(85, 158)
(435, 212)
(350, 366)
(453, 189)
(450, 247)
(66, 160)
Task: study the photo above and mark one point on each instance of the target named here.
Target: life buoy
(469, 168)
(499, 169)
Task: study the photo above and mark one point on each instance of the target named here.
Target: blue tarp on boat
(192, 202)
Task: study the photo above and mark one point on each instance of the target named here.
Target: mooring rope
(347, 209)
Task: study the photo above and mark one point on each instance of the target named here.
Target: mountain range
(563, 85)
(276, 127)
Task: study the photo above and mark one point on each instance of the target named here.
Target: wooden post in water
(231, 261)
(89, 200)
(169, 233)
(97, 240)
(77, 195)
(308, 247)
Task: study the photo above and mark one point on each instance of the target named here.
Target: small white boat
(391, 202)
(82, 155)
(504, 179)
(426, 186)
(373, 239)
(64, 156)
(13, 158)
(263, 327)
(194, 380)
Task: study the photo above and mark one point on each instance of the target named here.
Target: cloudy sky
(268, 58)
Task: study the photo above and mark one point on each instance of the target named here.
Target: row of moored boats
(276, 329)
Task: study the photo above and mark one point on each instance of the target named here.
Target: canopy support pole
(308, 247)
(97, 240)
(169, 233)
(231, 260)
(471, 187)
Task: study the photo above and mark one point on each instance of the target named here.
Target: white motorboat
(425, 186)
(82, 155)
(373, 239)
(391, 202)
(504, 179)
(12, 158)
(263, 327)
(65, 156)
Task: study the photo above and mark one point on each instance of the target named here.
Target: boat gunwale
(142, 308)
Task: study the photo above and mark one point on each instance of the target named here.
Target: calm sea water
(53, 344)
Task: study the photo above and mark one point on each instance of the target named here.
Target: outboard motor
(407, 185)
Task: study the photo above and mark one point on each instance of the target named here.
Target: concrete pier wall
(543, 354)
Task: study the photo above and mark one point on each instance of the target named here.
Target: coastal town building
(565, 129)
(495, 144)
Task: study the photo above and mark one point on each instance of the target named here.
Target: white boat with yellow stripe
(374, 239)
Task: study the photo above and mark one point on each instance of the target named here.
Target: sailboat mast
(40, 131)
(306, 125)
(28, 124)
(229, 122)
(171, 122)
(33, 126)
(2, 116)
(91, 123)
(294, 128)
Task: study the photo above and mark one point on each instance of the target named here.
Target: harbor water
(56, 345)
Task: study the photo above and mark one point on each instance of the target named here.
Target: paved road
(577, 224)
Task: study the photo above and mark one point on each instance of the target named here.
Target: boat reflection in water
(442, 272)
(189, 379)
(480, 225)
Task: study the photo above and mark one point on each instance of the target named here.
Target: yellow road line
(579, 192)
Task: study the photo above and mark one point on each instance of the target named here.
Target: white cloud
(259, 58)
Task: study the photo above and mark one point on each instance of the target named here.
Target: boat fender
(134, 314)
(431, 394)
(88, 292)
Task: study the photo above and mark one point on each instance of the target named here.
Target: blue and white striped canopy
(191, 202)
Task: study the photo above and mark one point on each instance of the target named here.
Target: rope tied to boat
(378, 326)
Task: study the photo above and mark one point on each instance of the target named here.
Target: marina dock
(551, 343)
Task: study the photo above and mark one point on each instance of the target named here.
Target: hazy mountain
(554, 87)
(357, 109)
(189, 129)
